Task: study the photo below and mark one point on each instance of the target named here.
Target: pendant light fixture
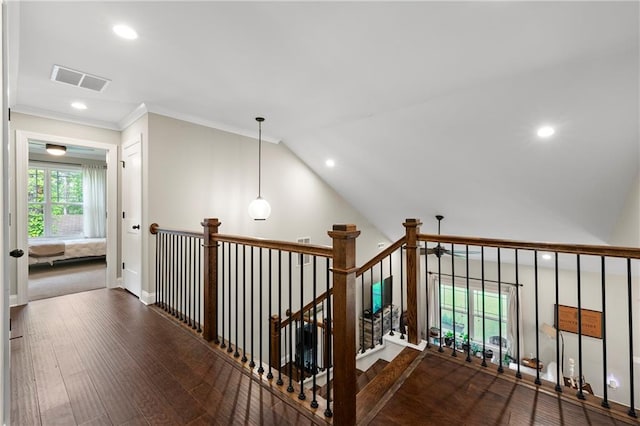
(259, 209)
(54, 149)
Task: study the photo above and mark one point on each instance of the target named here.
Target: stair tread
(371, 393)
(367, 376)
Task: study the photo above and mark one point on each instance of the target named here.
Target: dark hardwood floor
(103, 358)
(443, 391)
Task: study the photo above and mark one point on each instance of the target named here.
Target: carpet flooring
(65, 278)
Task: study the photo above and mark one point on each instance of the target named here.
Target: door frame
(21, 179)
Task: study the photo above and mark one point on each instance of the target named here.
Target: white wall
(626, 232)
(29, 123)
(196, 172)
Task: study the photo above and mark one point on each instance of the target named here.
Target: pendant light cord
(259, 157)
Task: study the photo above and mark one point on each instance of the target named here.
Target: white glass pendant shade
(259, 209)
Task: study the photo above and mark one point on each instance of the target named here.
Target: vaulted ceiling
(426, 107)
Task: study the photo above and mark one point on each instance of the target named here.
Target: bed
(53, 250)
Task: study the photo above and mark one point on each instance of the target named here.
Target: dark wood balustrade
(341, 296)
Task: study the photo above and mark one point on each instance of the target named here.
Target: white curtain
(512, 321)
(434, 301)
(94, 179)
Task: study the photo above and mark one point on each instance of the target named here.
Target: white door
(131, 216)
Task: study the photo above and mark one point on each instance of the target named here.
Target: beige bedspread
(46, 249)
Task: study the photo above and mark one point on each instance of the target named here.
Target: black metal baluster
(180, 306)
(484, 328)
(190, 280)
(559, 362)
(518, 373)
(373, 314)
(328, 328)
(440, 349)
(157, 267)
(216, 340)
(291, 361)
(160, 294)
(236, 354)
(279, 382)
(500, 368)
(535, 266)
(175, 277)
(632, 409)
(252, 363)
(222, 301)
(314, 364)
(580, 394)
(404, 320)
(391, 333)
(270, 373)
(382, 305)
(230, 347)
(605, 395)
(301, 344)
(362, 316)
(187, 281)
(426, 295)
(453, 302)
(468, 359)
(244, 303)
(184, 280)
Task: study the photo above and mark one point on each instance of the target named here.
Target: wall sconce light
(54, 149)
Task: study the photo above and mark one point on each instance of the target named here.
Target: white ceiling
(426, 107)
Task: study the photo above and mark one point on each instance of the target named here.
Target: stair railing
(583, 282)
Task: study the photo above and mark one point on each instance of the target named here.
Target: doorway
(61, 242)
(66, 190)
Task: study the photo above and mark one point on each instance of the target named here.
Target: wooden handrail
(306, 307)
(595, 250)
(154, 228)
(384, 253)
(313, 250)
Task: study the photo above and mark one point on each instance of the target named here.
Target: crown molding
(39, 112)
(134, 115)
(250, 133)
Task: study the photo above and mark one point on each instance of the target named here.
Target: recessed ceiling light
(546, 131)
(330, 163)
(546, 256)
(125, 31)
(78, 105)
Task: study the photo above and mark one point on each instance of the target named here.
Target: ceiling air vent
(78, 78)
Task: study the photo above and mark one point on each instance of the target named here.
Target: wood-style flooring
(441, 391)
(103, 358)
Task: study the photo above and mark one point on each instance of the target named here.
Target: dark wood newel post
(210, 328)
(412, 229)
(344, 323)
(274, 345)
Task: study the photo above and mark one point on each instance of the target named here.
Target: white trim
(44, 113)
(133, 116)
(148, 298)
(119, 283)
(250, 133)
(13, 300)
(22, 165)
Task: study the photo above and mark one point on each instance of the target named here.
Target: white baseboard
(148, 298)
(13, 300)
(119, 283)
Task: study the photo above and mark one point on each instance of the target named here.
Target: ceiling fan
(439, 249)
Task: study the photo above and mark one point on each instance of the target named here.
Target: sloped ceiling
(426, 107)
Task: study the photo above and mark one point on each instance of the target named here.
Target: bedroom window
(55, 201)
